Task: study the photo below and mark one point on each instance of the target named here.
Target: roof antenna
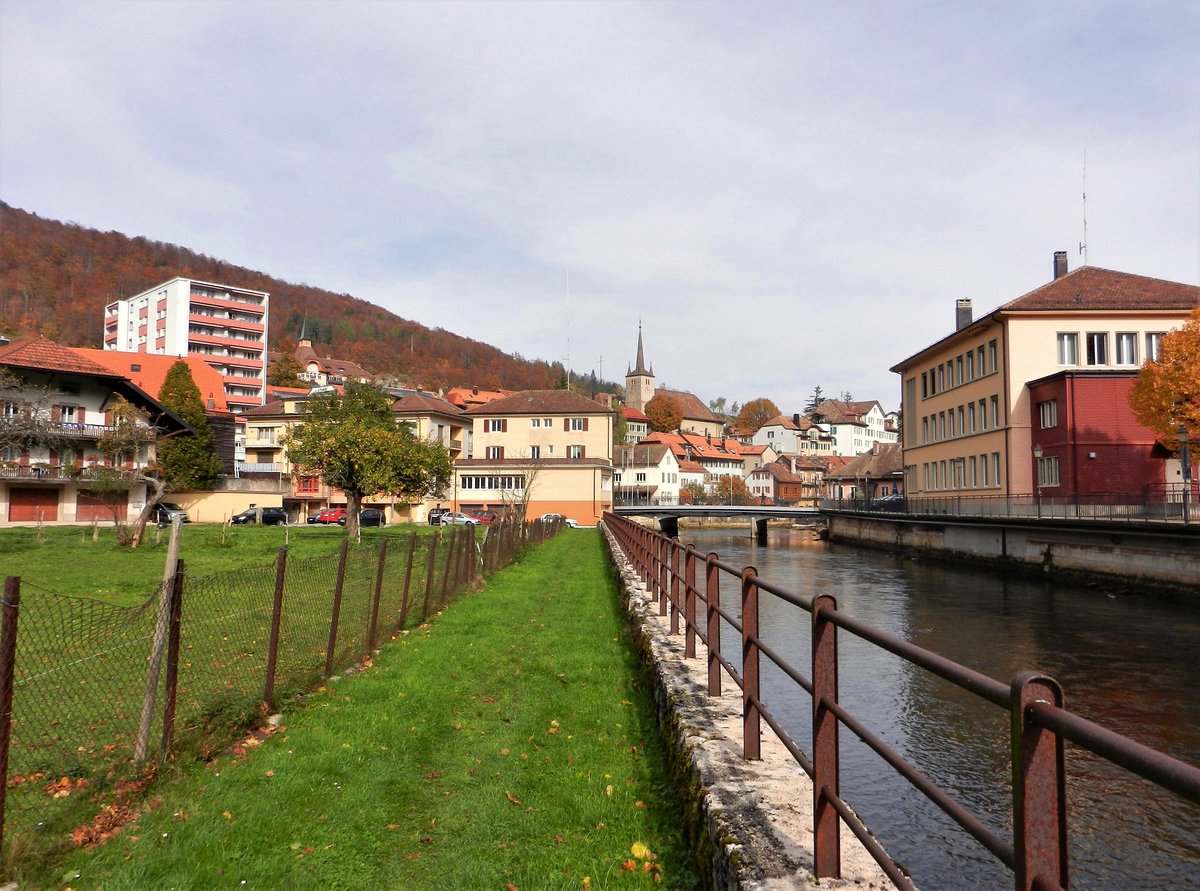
(1083, 244)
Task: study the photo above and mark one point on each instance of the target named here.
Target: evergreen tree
(187, 461)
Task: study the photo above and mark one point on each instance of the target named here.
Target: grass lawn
(507, 743)
(66, 560)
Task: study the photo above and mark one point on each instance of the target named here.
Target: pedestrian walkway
(507, 743)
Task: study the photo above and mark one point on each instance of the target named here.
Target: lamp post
(1185, 459)
(1037, 475)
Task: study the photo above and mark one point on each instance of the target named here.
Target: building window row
(970, 472)
(962, 369)
(475, 481)
(962, 420)
(1096, 351)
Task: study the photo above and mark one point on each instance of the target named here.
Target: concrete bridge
(668, 515)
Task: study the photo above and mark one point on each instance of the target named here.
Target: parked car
(486, 517)
(164, 512)
(558, 518)
(454, 518)
(330, 515)
(894, 502)
(271, 516)
(436, 514)
(368, 516)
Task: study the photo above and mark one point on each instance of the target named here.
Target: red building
(1090, 442)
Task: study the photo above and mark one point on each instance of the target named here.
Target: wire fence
(79, 686)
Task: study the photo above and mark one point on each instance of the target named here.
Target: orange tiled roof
(42, 353)
(425, 402)
(148, 371)
(1092, 288)
(465, 397)
(534, 402)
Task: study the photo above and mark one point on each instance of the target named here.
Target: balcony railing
(52, 473)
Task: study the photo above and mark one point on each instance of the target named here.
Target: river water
(1129, 663)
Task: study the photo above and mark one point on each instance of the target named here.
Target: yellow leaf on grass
(639, 850)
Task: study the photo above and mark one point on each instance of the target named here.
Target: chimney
(1060, 264)
(963, 316)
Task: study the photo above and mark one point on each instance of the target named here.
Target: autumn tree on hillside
(755, 413)
(1166, 394)
(285, 372)
(354, 443)
(187, 460)
(664, 413)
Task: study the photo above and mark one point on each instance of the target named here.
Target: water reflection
(1129, 663)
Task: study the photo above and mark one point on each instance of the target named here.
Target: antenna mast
(1083, 244)
(568, 329)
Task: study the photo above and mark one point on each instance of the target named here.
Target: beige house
(646, 474)
(966, 409)
(543, 451)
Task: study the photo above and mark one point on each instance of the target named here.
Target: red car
(487, 517)
(331, 515)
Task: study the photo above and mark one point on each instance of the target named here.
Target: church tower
(639, 383)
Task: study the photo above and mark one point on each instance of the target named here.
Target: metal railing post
(712, 599)
(689, 603)
(336, 612)
(751, 718)
(661, 568)
(673, 546)
(273, 640)
(827, 847)
(1038, 787)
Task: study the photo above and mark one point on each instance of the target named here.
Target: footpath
(507, 744)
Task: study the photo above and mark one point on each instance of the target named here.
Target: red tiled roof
(1091, 288)
(689, 403)
(42, 353)
(465, 397)
(149, 371)
(632, 414)
(536, 402)
(424, 402)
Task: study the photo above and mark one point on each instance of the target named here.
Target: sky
(782, 195)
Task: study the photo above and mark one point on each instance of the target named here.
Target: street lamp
(1037, 475)
(1185, 459)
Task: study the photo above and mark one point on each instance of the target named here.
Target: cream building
(966, 411)
(543, 451)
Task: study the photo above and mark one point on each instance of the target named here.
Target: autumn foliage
(664, 414)
(56, 278)
(1166, 394)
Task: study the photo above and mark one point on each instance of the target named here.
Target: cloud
(786, 194)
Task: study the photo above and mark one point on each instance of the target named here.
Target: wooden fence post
(172, 682)
(8, 659)
(429, 566)
(412, 552)
(337, 610)
(276, 616)
(373, 624)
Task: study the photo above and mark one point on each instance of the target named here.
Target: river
(1130, 663)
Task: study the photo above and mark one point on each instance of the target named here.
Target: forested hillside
(56, 278)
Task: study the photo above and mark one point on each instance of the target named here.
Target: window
(987, 481)
(576, 424)
(308, 484)
(941, 378)
(953, 430)
(1153, 339)
(996, 468)
(641, 477)
(535, 422)
(983, 414)
(266, 434)
(1068, 349)
(993, 362)
(1047, 470)
(574, 451)
(495, 425)
(495, 453)
(924, 385)
(958, 369)
(962, 423)
(1097, 349)
(941, 425)
(1126, 349)
(1048, 412)
(971, 415)
(974, 473)
(924, 429)
(535, 452)
(970, 366)
(979, 361)
(10, 410)
(995, 412)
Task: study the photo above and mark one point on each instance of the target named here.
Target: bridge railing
(687, 588)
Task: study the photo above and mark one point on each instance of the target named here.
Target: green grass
(509, 741)
(65, 559)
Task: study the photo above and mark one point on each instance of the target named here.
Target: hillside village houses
(55, 419)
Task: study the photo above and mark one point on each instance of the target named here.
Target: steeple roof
(640, 368)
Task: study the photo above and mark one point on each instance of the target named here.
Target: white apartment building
(224, 325)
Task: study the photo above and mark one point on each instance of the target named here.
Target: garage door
(90, 506)
(30, 505)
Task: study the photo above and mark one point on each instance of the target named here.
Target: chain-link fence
(78, 686)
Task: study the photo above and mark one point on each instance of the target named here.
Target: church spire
(640, 368)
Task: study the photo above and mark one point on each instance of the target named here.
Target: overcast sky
(786, 194)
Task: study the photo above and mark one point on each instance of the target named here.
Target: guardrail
(1165, 504)
(1037, 850)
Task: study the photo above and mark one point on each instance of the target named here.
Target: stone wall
(750, 822)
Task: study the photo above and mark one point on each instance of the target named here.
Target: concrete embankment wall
(751, 820)
(1109, 554)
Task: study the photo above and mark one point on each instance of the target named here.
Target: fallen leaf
(639, 850)
(511, 797)
(628, 866)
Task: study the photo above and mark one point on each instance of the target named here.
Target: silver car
(454, 518)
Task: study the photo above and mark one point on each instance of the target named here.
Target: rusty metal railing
(1037, 851)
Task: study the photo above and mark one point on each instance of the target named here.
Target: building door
(91, 506)
(30, 505)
